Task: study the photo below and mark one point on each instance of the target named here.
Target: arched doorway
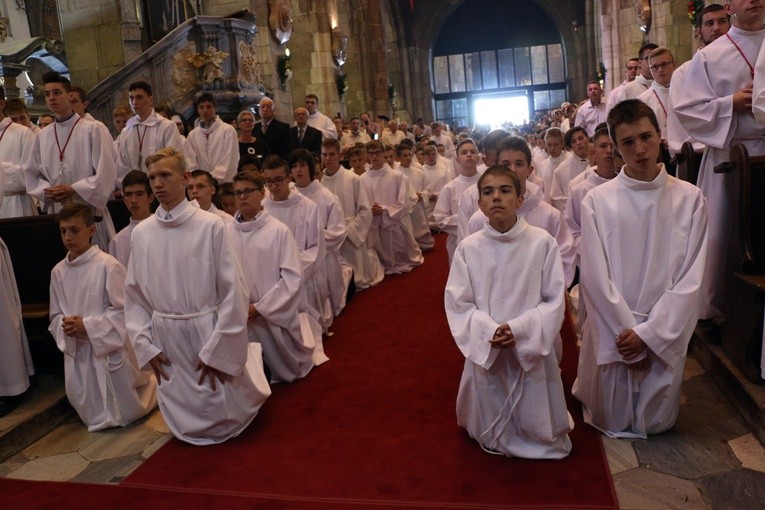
(494, 60)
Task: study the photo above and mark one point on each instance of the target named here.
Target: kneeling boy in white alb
(504, 303)
(87, 319)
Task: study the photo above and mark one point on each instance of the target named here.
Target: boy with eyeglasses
(276, 315)
(662, 65)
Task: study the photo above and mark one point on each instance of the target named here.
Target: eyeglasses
(244, 193)
(633, 68)
(275, 181)
(656, 67)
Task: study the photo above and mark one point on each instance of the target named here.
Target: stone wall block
(110, 45)
(81, 18)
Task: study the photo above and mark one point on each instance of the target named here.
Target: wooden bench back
(751, 209)
(688, 163)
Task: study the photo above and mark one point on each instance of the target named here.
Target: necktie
(265, 127)
(301, 132)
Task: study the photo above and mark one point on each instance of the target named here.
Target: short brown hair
(75, 209)
(251, 176)
(628, 112)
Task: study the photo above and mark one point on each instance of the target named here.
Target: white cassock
(705, 110)
(324, 124)
(16, 142)
(301, 215)
(657, 97)
(142, 139)
(391, 232)
(676, 133)
(436, 177)
(332, 222)
(540, 214)
(186, 297)
(510, 400)
(273, 273)
(642, 261)
(88, 166)
(546, 171)
(446, 140)
(636, 87)
(102, 379)
(216, 149)
(562, 176)
(445, 211)
(226, 217)
(15, 358)
(119, 246)
(616, 96)
(347, 187)
(573, 212)
(418, 214)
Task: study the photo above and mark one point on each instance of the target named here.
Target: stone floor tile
(734, 490)
(50, 389)
(749, 451)
(69, 437)
(113, 443)
(708, 413)
(156, 445)
(643, 489)
(156, 422)
(57, 468)
(109, 471)
(621, 456)
(692, 369)
(689, 457)
(13, 464)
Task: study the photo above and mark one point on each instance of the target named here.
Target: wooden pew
(35, 247)
(745, 296)
(688, 163)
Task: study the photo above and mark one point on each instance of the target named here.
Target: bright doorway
(496, 111)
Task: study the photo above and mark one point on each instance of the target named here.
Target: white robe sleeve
(312, 252)
(106, 331)
(558, 197)
(536, 330)
(358, 226)
(663, 331)
(97, 188)
(34, 180)
(471, 328)
(467, 206)
(138, 314)
(446, 219)
(335, 232)
(395, 212)
(226, 350)
(65, 343)
(567, 247)
(758, 90)
(225, 168)
(13, 172)
(279, 305)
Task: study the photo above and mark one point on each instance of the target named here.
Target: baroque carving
(250, 69)
(643, 13)
(5, 28)
(210, 62)
(339, 46)
(185, 76)
(280, 19)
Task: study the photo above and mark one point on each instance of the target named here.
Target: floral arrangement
(601, 72)
(694, 8)
(341, 80)
(284, 69)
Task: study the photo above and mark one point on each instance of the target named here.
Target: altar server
(16, 143)
(416, 177)
(137, 197)
(215, 142)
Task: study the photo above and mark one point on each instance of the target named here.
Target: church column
(367, 59)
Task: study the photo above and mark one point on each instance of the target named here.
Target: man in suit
(303, 136)
(273, 132)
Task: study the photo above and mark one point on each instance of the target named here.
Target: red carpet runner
(376, 425)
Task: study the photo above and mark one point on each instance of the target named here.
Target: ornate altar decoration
(643, 13)
(185, 76)
(250, 69)
(280, 20)
(5, 28)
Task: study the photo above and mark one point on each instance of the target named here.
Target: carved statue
(643, 14)
(210, 61)
(185, 76)
(250, 70)
(280, 19)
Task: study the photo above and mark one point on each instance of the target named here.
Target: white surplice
(510, 400)
(418, 214)
(642, 261)
(657, 97)
(705, 109)
(16, 142)
(636, 87)
(88, 166)
(616, 96)
(216, 148)
(332, 221)
(436, 177)
(271, 264)
(119, 246)
(15, 358)
(447, 205)
(102, 379)
(186, 297)
(301, 215)
(391, 232)
(142, 139)
(546, 171)
(324, 124)
(676, 133)
(562, 176)
(573, 212)
(347, 187)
